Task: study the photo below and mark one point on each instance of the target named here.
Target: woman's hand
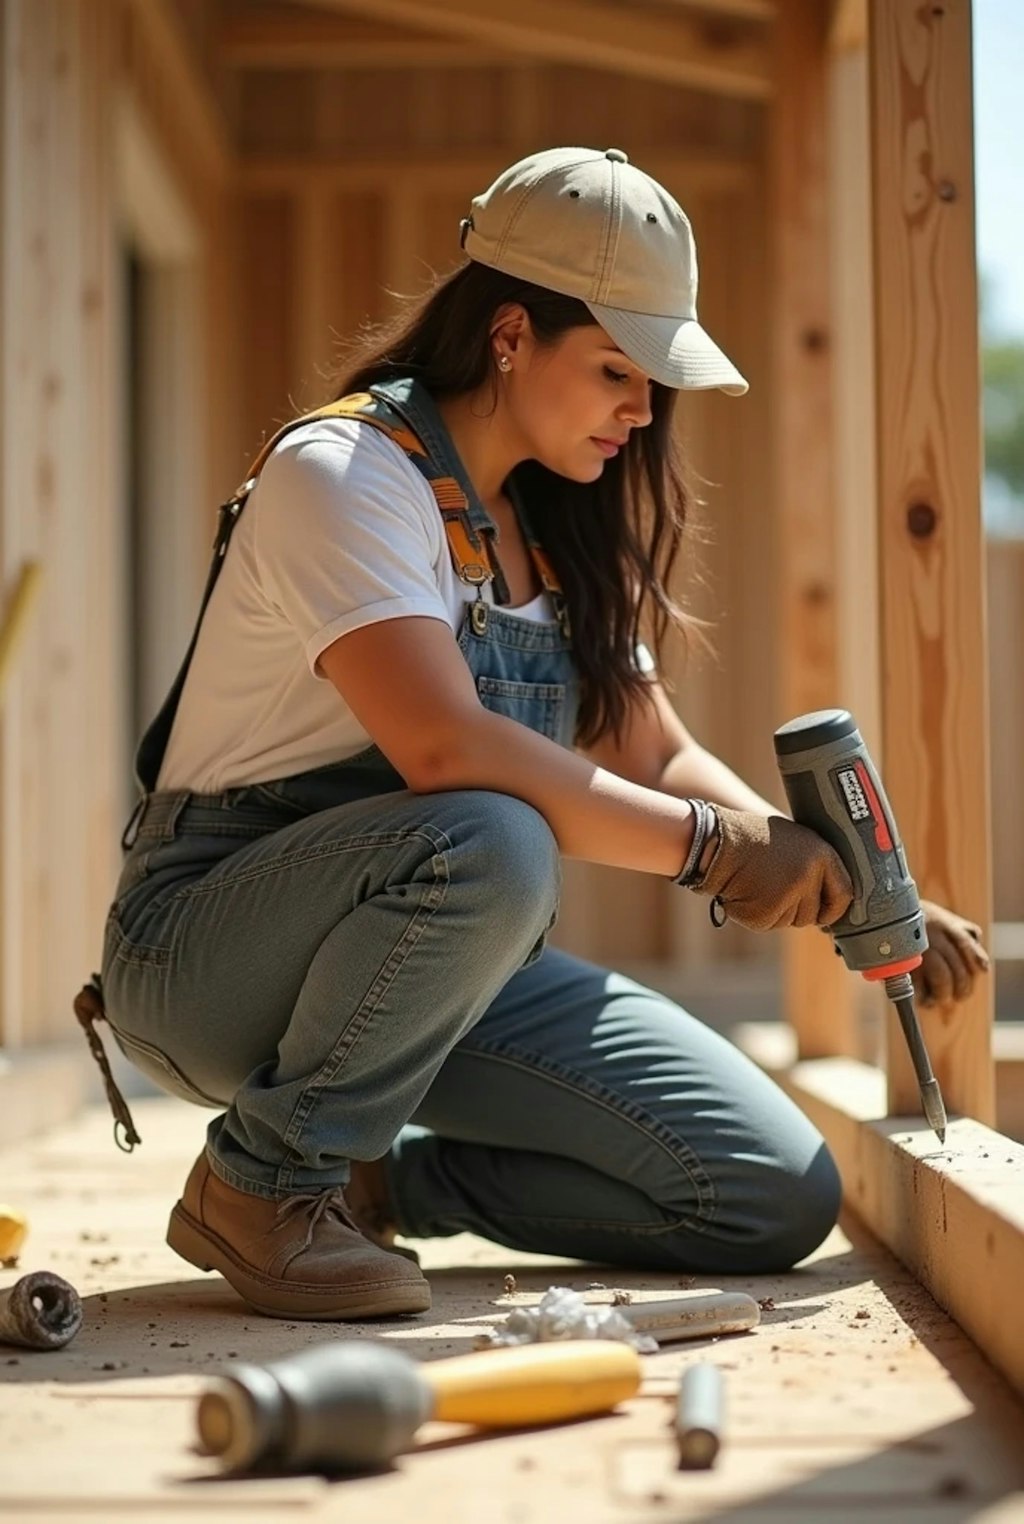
(955, 955)
(769, 872)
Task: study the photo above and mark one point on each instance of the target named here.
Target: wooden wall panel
(269, 300)
(367, 112)
(358, 232)
(60, 736)
(65, 748)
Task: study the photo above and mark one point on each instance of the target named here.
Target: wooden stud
(1008, 1047)
(858, 655)
(853, 373)
(819, 988)
(849, 25)
(934, 703)
(312, 298)
(526, 101)
(594, 34)
(267, 317)
(6, 69)
(1005, 578)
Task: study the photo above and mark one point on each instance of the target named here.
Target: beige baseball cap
(587, 223)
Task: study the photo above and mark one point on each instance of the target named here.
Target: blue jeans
(372, 978)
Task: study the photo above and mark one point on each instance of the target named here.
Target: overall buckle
(130, 834)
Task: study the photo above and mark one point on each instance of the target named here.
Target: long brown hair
(613, 542)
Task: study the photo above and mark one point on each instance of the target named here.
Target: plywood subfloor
(856, 1399)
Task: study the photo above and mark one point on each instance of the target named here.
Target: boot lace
(318, 1205)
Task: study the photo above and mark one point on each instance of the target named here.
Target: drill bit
(900, 990)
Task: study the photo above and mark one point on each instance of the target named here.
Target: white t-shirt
(340, 531)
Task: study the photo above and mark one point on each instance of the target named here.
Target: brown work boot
(369, 1201)
(300, 1257)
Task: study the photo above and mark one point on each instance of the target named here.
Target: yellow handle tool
(533, 1383)
(14, 617)
(352, 1404)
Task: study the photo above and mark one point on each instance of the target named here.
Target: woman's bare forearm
(594, 814)
(698, 774)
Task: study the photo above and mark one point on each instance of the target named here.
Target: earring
(504, 363)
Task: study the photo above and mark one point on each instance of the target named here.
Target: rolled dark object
(40, 1311)
(699, 1417)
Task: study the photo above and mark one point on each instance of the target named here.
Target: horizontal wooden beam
(717, 56)
(746, 10)
(291, 41)
(696, 174)
(953, 1215)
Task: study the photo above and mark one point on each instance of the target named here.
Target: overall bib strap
(545, 570)
(470, 554)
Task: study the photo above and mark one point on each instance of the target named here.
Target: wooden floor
(856, 1399)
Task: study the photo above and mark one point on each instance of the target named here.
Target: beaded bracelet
(705, 822)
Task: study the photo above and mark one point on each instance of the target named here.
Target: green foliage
(1003, 381)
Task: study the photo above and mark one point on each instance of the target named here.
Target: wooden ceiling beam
(695, 173)
(280, 40)
(678, 49)
(737, 10)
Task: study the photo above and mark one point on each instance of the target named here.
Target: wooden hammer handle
(532, 1383)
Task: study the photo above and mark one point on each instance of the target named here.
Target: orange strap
(469, 551)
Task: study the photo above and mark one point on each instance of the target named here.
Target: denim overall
(349, 970)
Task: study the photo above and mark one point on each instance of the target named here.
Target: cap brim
(678, 353)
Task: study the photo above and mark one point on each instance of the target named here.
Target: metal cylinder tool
(698, 1417)
(833, 788)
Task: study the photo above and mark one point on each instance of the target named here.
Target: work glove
(955, 955)
(770, 872)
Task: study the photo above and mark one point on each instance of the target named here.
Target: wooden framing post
(819, 989)
(930, 541)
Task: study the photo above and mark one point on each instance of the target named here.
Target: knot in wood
(947, 190)
(814, 340)
(922, 520)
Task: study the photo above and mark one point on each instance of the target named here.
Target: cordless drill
(833, 788)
